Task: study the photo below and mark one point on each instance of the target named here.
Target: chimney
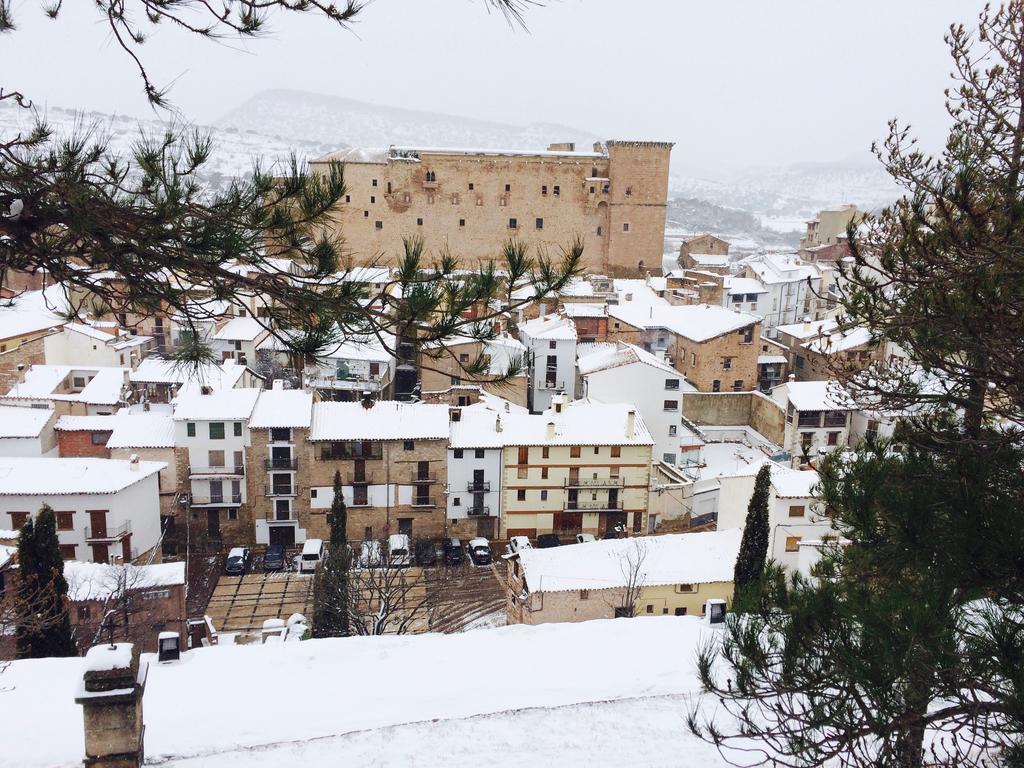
(630, 423)
(278, 385)
(454, 414)
(205, 389)
(549, 432)
(133, 462)
(111, 698)
(792, 377)
(497, 423)
(367, 399)
(508, 407)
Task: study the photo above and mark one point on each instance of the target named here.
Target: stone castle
(471, 201)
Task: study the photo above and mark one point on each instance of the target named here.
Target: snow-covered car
(480, 551)
(519, 543)
(237, 562)
(398, 550)
(370, 555)
(585, 538)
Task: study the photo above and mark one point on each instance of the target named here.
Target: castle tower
(636, 205)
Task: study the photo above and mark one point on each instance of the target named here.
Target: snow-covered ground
(595, 693)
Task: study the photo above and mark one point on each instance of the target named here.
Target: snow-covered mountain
(334, 122)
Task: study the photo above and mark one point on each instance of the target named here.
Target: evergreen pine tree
(43, 590)
(750, 562)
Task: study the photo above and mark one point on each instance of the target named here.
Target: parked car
(398, 550)
(548, 540)
(238, 561)
(370, 555)
(584, 538)
(313, 552)
(480, 551)
(453, 554)
(426, 553)
(615, 532)
(275, 558)
(519, 543)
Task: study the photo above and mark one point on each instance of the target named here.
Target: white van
(398, 550)
(312, 554)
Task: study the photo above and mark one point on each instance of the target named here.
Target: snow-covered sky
(731, 81)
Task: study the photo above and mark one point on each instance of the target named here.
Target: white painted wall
(198, 448)
(138, 503)
(460, 474)
(565, 364)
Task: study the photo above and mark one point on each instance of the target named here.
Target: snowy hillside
(334, 122)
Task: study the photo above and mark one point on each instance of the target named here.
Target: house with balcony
(551, 358)
(238, 340)
(475, 457)
(278, 488)
(393, 460)
(107, 510)
(354, 366)
(464, 360)
(818, 417)
(212, 428)
(158, 380)
(580, 467)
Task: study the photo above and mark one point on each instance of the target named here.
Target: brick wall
(27, 354)
(79, 443)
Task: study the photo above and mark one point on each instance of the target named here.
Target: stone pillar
(111, 699)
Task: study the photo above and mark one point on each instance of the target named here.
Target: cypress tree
(339, 516)
(754, 547)
(331, 589)
(45, 627)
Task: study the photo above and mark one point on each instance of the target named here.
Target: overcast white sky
(731, 81)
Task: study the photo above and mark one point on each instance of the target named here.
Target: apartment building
(107, 510)
(475, 465)
(551, 358)
(792, 285)
(279, 455)
(96, 344)
(212, 428)
(578, 467)
(393, 459)
(619, 373)
(470, 200)
(716, 348)
(827, 229)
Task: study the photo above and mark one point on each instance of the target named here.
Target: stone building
(444, 366)
(471, 201)
(828, 228)
(672, 574)
(705, 252)
(714, 347)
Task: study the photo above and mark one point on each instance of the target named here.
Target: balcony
(481, 511)
(422, 502)
(344, 452)
(482, 487)
(217, 500)
(429, 184)
(548, 385)
(593, 506)
(280, 463)
(237, 470)
(423, 478)
(108, 533)
(354, 382)
(594, 482)
(274, 516)
(367, 478)
(272, 490)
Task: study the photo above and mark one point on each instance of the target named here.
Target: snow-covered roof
(220, 405)
(581, 422)
(680, 558)
(38, 476)
(808, 329)
(573, 712)
(793, 483)
(549, 327)
(770, 359)
(626, 354)
(85, 423)
(584, 309)
(476, 428)
(377, 156)
(100, 581)
(698, 322)
(813, 396)
(743, 285)
(366, 275)
(240, 329)
(834, 341)
(32, 312)
(710, 259)
(780, 268)
(142, 430)
(41, 381)
(386, 420)
(20, 421)
(284, 408)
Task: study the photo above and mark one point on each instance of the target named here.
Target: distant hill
(332, 122)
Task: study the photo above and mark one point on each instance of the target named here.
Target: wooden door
(126, 549)
(100, 553)
(282, 534)
(98, 524)
(213, 523)
(485, 527)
